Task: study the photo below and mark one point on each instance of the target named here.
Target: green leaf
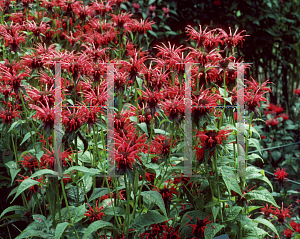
(254, 143)
(97, 193)
(79, 213)
(171, 33)
(254, 173)
(210, 232)
(16, 124)
(83, 169)
(231, 213)
(230, 179)
(27, 136)
(118, 210)
(13, 208)
(266, 223)
(140, 82)
(43, 172)
(156, 198)
(147, 219)
(60, 228)
(27, 183)
(160, 131)
(261, 194)
(151, 2)
(153, 33)
(13, 169)
(95, 226)
(143, 127)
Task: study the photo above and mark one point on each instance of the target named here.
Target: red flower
(288, 233)
(37, 30)
(200, 226)
(284, 116)
(212, 138)
(174, 109)
(73, 121)
(280, 174)
(29, 162)
(272, 122)
(295, 226)
(141, 26)
(282, 214)
(199, 37)
(297, 92)
(167, 192)
(232, 40)
(267, 211)
(161, 145)
(14, 40)
(46, 114)
(121, 20)
(48, 159)
(8, 115)
(95, 215)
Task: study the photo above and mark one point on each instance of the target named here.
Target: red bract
(95, 215)
(14, 40)
(42, 96)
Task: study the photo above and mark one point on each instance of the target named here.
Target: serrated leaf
(95, 226)
(27, 183)
(261, 194)
(212, 229)
(254, 143)
(231, 213)
(156, 198)
(252, 172)
(60, 228)
(160, 131)
(13, 170)
(147, 219)
(79, 213)
(111, 211)
(230, 180)
(266, 223)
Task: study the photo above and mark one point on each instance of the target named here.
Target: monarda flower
(8, 115)
(45, 114)
(281, 175)
(282, 214)
(297, 92)
(30, 162)
(96, 214)
(142, 26)
(232, 40)
(212, 138)
(272, 122)
(288, 233)
(267, 211)
(200, 226)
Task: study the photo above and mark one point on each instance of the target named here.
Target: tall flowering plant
(149, 195)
